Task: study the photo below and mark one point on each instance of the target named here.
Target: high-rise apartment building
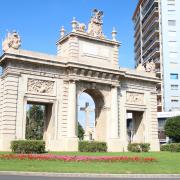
(157, 39)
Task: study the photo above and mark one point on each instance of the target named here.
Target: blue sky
(39, 22)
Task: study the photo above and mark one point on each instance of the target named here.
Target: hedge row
(139, 147)
(28, 146)
(92, 146)
(173, 147)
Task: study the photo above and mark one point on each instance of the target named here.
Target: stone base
(155, 145)
(65, 144)
(5, 142)
(116, 145)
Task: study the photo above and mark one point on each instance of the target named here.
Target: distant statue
(150, 66)
(81, 27)
(95, 24)
(140, 68)
(12, 40)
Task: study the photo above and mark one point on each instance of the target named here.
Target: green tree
(35, 122)
(172, 128)
(80, 132)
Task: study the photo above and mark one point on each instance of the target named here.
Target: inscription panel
(95, 50)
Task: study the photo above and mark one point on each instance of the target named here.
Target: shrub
(165, 147)
(28, 146)
(93, 146)
(145, 147)
(173, 147)
(139, 147)
(172, 128)
(134, 147)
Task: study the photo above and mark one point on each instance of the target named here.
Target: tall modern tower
(157, 39)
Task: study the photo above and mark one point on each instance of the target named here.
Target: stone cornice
(91, 38)
(39, 58)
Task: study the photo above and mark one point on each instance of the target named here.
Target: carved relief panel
(135, 98)
(40, 86)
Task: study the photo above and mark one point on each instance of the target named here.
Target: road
(16, 177)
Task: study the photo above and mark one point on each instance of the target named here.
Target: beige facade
(86, 62)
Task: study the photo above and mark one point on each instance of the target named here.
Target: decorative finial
(74, 24)
(62, 31)
(114, 33)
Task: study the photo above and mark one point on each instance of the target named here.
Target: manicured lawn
(167, 163)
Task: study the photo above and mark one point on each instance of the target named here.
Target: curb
(16, 173)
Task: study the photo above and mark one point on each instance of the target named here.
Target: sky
(39, 21)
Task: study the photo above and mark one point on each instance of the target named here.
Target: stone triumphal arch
(86, 61)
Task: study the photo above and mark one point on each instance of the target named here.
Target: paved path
(11, 175)
(16, 177)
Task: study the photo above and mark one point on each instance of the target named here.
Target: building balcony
(138, 59)
(153, 33)
(159, 108)
(138, 50)
(154, 25)
(158, 90)
(137, 32)
(159, 103)
(158, 70)
(137, 45)
(137, 22)
(158, 85)
(151, 46)
(137, 37)
(151, 16)
(149, 7)
(161, 135)
(154, 53)
(150, 41)
(158, 75)
(157, 62)
(150, 31)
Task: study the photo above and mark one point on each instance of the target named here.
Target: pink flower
(77, 158)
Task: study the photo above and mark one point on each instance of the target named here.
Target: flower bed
(77, 158)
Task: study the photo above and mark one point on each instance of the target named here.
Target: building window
(174, 87)
(174, 76)
(173, 55)
(172, 35)
(172, 22)
(172, 46)
(174, 101)
(171, 2)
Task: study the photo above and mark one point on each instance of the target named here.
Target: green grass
(168, 163)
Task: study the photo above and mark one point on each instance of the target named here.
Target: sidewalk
(90, 175)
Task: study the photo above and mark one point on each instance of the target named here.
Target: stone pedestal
(5, 142)
(116, 145)
(155, 145)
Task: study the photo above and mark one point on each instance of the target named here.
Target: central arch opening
(90, 115)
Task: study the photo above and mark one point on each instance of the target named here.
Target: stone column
(123, 120)
(114, 113)
(72, 109)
